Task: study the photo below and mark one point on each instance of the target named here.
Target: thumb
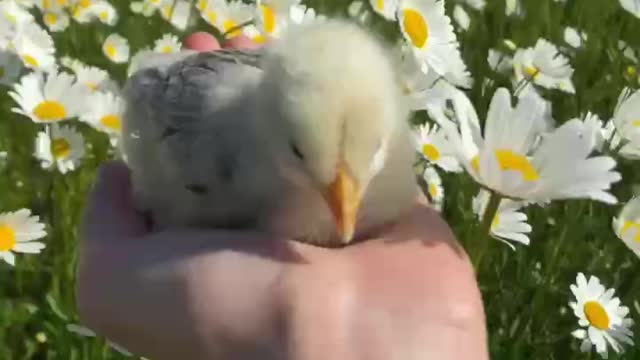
(110, 214)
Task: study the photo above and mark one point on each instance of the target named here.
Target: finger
(110, 212)
(201, 41)
(240, 42)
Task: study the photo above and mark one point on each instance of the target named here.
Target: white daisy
(385, 8)
(86, 332)
(425, 26)
(116, 48)
(177, 13)
(60, 146)
(104, 11)
(10, 67)
(461, 17)
(357, 10)
(499, 61)
(434, 187)
(544, 66)
(626, 118)
(508, 223)
(94, 79)
(56, 21)
(14, 13)
(632, 6)
(574, 37)
(18, 230)
(168, 43)
(231, 15)
(627, 51)
(513, 8)
(627, 225)
(143, 8)
(52, 99)
(604, 320)
(72, 64)
(274, 15)
(105, 113)
(511, 159)
(434, 147)
(35, 47)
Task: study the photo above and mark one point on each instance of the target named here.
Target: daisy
(17, 231)
(626, 117)
(544, 66)
(14, 13)
(574, 37)
(461, 17)
(627, 225)
(274, 15)
(35, 47)
(434, 187)
(94, 79)
(434, 147)
(508, 223)
(56, 21)
(176, 13)
(232, 15)
(357, 10)
(10, 67)
(632, 6)
(515, 160)
(604, 320)
(105, 113)
(52, 99)
(167, 44)
(385, 8)
(104, 11)
(428, 30)
(59, 145)
(86, 332)
(116, 48)
(499, 62)
(143, 8)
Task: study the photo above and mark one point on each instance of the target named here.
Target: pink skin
(407, 293)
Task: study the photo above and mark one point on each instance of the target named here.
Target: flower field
(526, 130)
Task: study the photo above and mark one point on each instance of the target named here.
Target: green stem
(485, 228)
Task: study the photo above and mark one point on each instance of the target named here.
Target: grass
(526, 292)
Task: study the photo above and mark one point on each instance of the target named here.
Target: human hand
(409, 293)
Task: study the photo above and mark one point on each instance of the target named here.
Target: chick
(340, 132)
(192, 142)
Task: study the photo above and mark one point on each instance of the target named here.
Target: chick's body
(192, 141)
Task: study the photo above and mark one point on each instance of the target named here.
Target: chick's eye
(296, 151)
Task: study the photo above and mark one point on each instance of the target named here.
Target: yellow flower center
(475, 163)
(212, 16)
(509, 160)
(167, 10)
(7, 238)
(50, 111)
(495, 222)
(202, 4)
(259, 39)
(269, 19)
(380, 5)
(628, 225)
(63, 3)
(430, 152)
(111, 122)
(50, 18)
(30, 60)
(92, 86)
(532, 71)
(45, 4)
(433, 190)
(597, 315)
(104, 15)
(632, 71)
(635, 123)
(167, 49)
(111, 50)
(60, 148)
(230, 24)
(416, 28)
(84, 3)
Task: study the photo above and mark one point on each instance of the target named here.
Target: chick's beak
(343, 197)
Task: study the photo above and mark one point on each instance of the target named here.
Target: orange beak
(343, 197)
